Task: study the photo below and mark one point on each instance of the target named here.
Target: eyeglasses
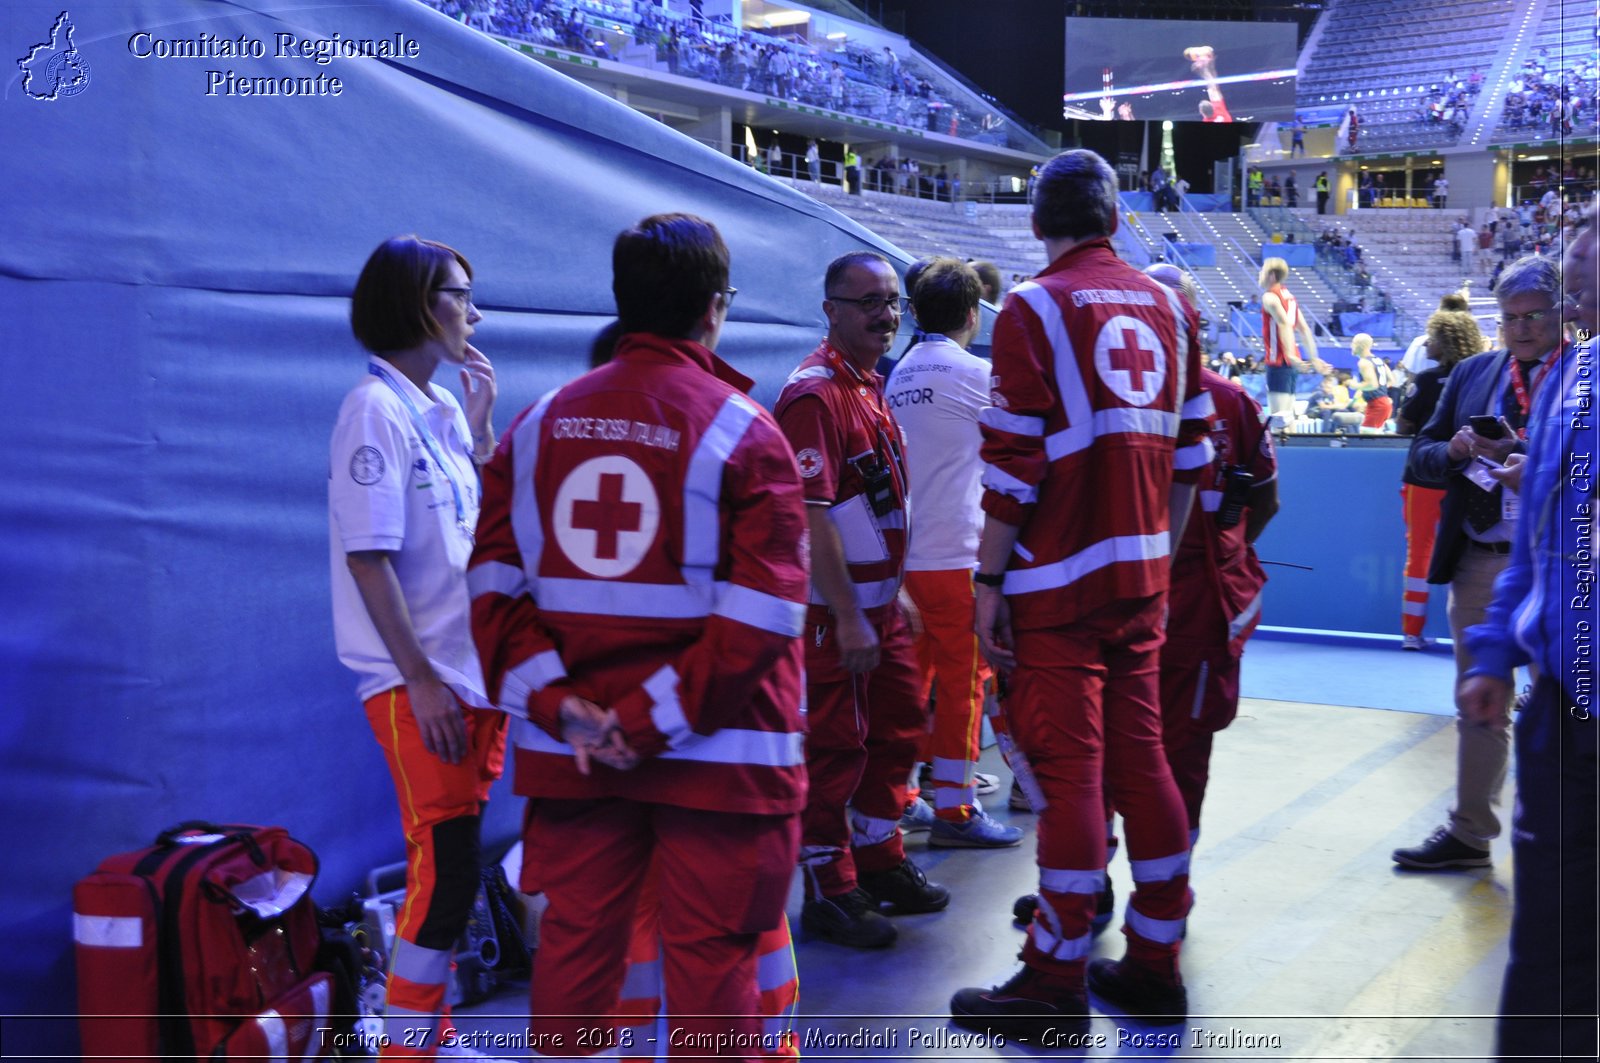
(727, 296)
(1532, 318)
(462, 295)
(871, 304)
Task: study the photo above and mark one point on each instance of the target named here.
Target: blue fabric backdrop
(174, 283)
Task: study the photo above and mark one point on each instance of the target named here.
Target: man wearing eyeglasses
(1481, 420)
(864, 715)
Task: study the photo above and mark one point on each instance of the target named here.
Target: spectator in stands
(836, 86)
(1369, 189)
(774, 158)
(1352, 128)
(813, 161)
(1322, 192)
(1291, 190)
(1466, 239)
(1451, 337)
(1255, 184)
(1297, 142)
(1441, 191)
(1331, 398)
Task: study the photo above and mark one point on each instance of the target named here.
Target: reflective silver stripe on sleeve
(998, 480)
(868, 595)
(274, 1034)
(496, 577)
(1069, 379)
(526, 525)
(1196, 456)
(666, 711)
(527, 679)
(1198, 407)
(1014, 423)
(702, 482)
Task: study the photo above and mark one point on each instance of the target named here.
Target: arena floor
(1305, 942)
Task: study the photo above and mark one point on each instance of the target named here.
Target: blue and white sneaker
(918, 817)
(980, 831)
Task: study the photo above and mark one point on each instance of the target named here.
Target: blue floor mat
(1367, 673)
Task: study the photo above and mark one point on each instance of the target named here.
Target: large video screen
(1169, 70)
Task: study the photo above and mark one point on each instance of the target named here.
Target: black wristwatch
(987, 579)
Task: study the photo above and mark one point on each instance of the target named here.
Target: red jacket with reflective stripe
(1216, 579)
(1097, 409)
(642, 544)
(829, 420)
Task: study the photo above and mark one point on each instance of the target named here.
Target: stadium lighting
(838, 35)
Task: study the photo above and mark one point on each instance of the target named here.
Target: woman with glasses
(403, 499)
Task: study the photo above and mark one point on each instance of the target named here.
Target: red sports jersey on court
(1280, 350)
(1097, 409)
(642, 545)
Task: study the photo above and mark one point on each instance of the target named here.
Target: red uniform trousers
(947, 650)
(1199, 697)
(862, 733)
(640, 1012)
(440, 805)
(1083, 707)
(1377, 412)
(723, 880)
(1420, 506)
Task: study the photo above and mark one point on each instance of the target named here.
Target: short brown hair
(392, 306)
(664, 272)
(946, 292)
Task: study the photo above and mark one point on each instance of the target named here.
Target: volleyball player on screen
(1203, 58)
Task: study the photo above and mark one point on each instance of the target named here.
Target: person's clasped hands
(595, 735)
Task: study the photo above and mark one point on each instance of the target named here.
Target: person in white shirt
(402, 506)
(936, 393)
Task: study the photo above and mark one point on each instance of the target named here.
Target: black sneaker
(1029, 1006)
(1139, 992)
(905, 888)
(1105, 907)
(850, 919)
(1441, 850)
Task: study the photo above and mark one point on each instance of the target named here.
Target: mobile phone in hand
(1486, 426)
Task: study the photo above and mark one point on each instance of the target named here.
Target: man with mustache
(863, 704)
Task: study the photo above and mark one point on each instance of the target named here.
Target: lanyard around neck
(428, 441)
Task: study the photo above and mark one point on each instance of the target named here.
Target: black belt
(1491, 548)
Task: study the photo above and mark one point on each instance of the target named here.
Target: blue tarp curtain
(174, 283)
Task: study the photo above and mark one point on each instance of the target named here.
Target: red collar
(648, 346)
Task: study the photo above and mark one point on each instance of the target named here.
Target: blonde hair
(1275, 268)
